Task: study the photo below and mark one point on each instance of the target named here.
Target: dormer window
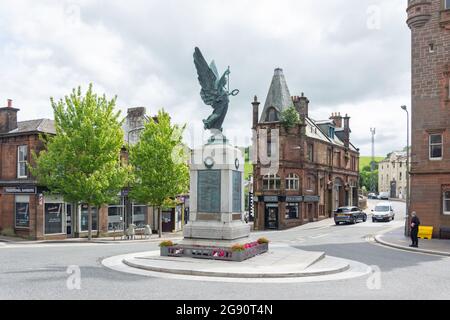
(331, 131)
(272, 115)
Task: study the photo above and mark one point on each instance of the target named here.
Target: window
(139, 212)
(330, 157)
(338, 159)
(310, 184)
(53, 218)
(269, 148)
(435, 146)
(400, 177)
(447, 203)
(310, 154)
(22, 158)
(22, 212)
(271, 182)
(292, 182)
(115, 217)
(331, 132)
(292, 211)
(393, 165)
(447, 4)
(272, 115)
(84, 218)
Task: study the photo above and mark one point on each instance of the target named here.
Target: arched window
(272, 115)
(292, 182)
(271, 182)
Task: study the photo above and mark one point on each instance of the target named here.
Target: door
(393, 189)
(69, 221)
(168, 221)
(310, 212)
(272, 216)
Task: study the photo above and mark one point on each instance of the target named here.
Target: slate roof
(278, 96)
(38, 125)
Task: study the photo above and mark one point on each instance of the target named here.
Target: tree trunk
(89, 223)
(160, 222)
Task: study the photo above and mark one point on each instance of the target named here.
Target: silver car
(383, 212)
(349, 215)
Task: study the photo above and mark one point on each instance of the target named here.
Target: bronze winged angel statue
(215, 92)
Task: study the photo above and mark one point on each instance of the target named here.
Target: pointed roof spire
(278, 96)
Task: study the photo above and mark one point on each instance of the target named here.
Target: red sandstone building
(429, 21)
(316, 166)
(26, 211)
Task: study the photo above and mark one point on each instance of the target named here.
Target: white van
(384, 196)
(383, 212)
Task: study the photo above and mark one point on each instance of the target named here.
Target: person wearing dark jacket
(415, 223)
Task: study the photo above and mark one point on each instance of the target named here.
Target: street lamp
(407, 171)
(128, 211)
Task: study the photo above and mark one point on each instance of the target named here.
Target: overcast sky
(348, 56)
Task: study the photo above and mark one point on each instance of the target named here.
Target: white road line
(319, 236)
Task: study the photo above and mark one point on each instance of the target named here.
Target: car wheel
(337, 223)
(354, 221)
(373, 220)
(393, 218)
(364, 219)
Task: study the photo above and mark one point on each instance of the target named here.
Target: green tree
(366, 177)
(159, 164)
(290, 117)
(82, 161)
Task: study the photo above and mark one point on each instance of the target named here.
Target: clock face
(209, 162)
(236, 163)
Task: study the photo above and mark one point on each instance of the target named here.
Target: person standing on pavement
(415, 223)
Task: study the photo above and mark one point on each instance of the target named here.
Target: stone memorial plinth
(216, 194)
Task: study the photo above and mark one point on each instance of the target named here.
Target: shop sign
(294, 198)
(20, 190)
(271, 199)
(311, 198)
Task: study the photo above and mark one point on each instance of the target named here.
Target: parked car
(349, 215)
(383, 196)
(383, 212)
(372, 196)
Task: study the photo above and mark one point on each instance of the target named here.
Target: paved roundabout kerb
(282, 264)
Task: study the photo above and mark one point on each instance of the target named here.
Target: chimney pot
(9, 103)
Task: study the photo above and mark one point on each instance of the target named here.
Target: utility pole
(372, 164)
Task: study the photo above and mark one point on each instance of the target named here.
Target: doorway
(272, 216)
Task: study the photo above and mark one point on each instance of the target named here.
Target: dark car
(349, 215)
(372, 196)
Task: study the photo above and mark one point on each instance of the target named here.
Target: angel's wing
(206, 77)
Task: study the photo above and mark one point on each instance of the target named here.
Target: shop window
(22, 212)
(22, 158)
(139, 212)
(292, 182)
(115, 217)
(271, 182)
(84, 218)
(53, 218)
(292, 211)
(435, 146)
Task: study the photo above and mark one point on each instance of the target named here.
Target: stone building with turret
(429, 21)
(301, 173)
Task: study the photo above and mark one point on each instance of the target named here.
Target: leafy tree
(82, 161)
(290, 117)
(159, 164)
(366, 177)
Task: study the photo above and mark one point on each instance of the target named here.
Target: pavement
(396, 239)
(138, 239)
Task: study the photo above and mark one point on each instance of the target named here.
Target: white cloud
(142, 51)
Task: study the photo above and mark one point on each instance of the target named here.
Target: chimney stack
(347, 131)
(337, 118)
(302, 105)
(8, 117)
(255, 105)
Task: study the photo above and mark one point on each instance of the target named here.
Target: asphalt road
(40, 271)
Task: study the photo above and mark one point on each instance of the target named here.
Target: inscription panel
(237, 191)
(208, 191)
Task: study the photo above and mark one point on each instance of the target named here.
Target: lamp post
(128, 211)
(407, 171)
